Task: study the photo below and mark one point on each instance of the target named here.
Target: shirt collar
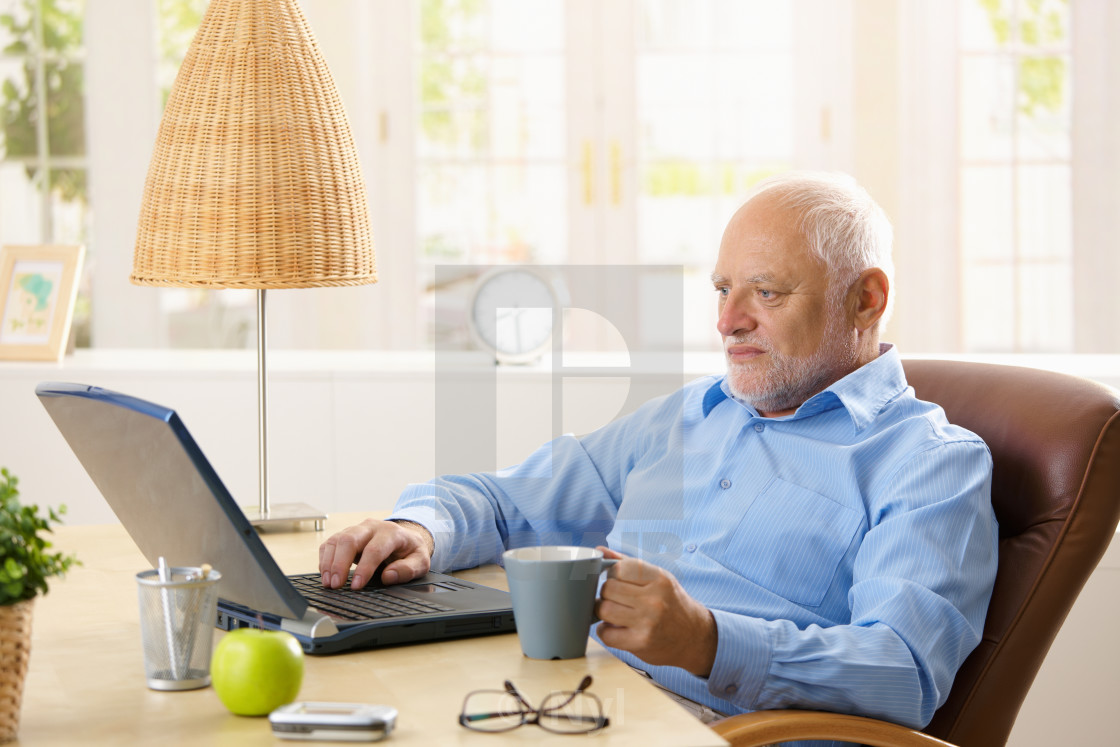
(863, 392)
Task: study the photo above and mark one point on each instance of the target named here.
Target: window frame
(914, 177)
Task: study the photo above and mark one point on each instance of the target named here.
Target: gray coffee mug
(553, 589)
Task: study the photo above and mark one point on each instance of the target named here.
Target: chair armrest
(771, 727)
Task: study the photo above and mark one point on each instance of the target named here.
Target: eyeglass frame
(530, 714)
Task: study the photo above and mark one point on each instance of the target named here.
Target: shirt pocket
(791, 541)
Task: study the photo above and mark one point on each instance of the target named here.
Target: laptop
(173, 504)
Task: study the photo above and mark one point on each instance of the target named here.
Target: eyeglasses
(568, 712)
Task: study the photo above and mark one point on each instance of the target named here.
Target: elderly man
(801, 532)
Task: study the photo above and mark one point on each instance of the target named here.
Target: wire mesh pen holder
(177, 626)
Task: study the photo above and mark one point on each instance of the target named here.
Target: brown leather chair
(1055, 442)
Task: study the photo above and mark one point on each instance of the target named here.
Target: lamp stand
(263, 513)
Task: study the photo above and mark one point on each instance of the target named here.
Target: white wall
(347, 431)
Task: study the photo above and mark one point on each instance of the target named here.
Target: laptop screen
(165, 492)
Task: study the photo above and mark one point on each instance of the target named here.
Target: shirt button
(759, 427)
(725, 483)
(731, 689)
(690, 547)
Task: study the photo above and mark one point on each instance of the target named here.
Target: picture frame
(38, 289)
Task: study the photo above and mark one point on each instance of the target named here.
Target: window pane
(15, 32)
(987, 216)
(452, 130)
(521, 26)
(491, 214)
(675, 23)
(667, 78)
(18, 135)
(491, 143)
(66, 130)
(44, 195)
(454, 26)
(1044, 107)
(526, 108)
(1016, 200)
(42, 130)
(678, 217)
(686, 204)
(987, 107)
(1042, 23)
(988, 308)
(1045, 307)
(986, 23)
(20, 205)
(715, 114)
(754, 24)
(1045, 222)
(744, 128)
(69, 214)
(670, 132)
(63, 25)
(176, 24)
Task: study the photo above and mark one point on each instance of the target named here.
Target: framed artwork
(38, 287)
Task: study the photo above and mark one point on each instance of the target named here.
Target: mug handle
(605, 563)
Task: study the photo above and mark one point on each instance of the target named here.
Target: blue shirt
(847, 551)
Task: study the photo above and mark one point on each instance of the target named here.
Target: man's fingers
(405, 569)
(388, 544)
(621, 593)
(366, 567)
(634, 571)
(335, 557)
(400, 554)
(609, 553)
(623, 637)
(627, 604)
(342, 550)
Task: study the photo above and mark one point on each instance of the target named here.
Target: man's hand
(645, 611)
(404, 547)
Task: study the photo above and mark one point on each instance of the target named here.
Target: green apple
(256, 671)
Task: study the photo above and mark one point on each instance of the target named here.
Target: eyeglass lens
(492, 710)
(568, 712)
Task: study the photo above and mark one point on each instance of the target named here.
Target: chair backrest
(1055, 443)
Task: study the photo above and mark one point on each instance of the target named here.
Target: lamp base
(285, 512)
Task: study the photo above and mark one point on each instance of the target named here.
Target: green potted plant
(25, 565)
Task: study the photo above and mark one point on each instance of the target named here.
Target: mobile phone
(339, 722)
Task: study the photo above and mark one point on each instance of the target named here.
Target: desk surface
(86, 680)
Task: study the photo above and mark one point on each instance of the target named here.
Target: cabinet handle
(616, 173)
(588, 172)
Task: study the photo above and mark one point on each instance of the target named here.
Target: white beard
(789, 380)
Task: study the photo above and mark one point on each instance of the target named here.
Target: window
(1016, 238)
(715, 113)
(715, 109)
(585, 132)
(490, 150)
(555, 132)
(44, 196)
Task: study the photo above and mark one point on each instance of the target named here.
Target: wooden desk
(86, 682)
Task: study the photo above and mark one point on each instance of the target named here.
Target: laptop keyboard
(364, 604)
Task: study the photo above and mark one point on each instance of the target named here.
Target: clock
(511, 313)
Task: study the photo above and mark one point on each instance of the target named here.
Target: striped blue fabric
(847, 551)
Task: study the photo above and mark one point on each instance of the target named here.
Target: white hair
(842, 223)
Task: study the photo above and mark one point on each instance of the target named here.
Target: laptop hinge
(313, 624)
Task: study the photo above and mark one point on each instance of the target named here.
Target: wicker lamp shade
(254, 180)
